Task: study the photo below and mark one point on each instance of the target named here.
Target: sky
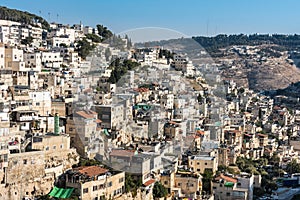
(187, 17)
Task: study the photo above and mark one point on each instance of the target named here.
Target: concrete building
(41, 101)
(94, 182)
(233, 188)
(200, 163)
(110, 115)
(84, 131)
(33, 61)
(182, 184)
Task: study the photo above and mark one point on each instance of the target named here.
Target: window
(61, 146)
(109, 184)
(95, 188)
(198, 170)
(205, 163)
(54, 147)
(47, 148)
(85, 190)
(179, 184)
(121, 180)
(198, 163)
(24, 161)
(70, 129)
(239, 184)
(228, 194)
(37, 103)
(100, 186)
(166, 182)
(214, 187)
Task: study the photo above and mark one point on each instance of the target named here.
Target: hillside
(22, 17)
(260, 62)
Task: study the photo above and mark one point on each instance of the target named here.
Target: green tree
(159, 190)
(103, 31)
(27, 41)
(63, 45)
(293, 167)
(120, 68)
(207, 177)
(93, 37)
(270, 186)
(84, 48)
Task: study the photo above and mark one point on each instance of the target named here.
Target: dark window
(85, 190)
(95, 188)
(228, 194)
(109, 184)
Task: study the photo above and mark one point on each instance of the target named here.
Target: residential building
(95, 182)
(200, 163)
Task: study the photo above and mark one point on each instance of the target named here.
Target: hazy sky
(190, 17)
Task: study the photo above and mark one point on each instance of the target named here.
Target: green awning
(106, 132)
(229, 184)
(61, 192)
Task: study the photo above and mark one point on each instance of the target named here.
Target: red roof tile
(87, 114)
(147, 183)
(226, 178)
(91, 170)
(98, 121)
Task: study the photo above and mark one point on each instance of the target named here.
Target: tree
(129, 183)
(63, 45)
(103, 31)
(270, 186)
(159, 190)
(207, 177)
(120, 68)
(84, 47)
(93, 37)
(107, 54)
(27, 41)
(293, 167)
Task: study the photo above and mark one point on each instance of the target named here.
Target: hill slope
(22, 17)
(260, 62)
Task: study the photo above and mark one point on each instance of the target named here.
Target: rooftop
(200, 157)
(122, 153)
(91, 170)
(226, 178)
(88, 114)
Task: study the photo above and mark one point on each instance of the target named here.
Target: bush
(159, 190)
